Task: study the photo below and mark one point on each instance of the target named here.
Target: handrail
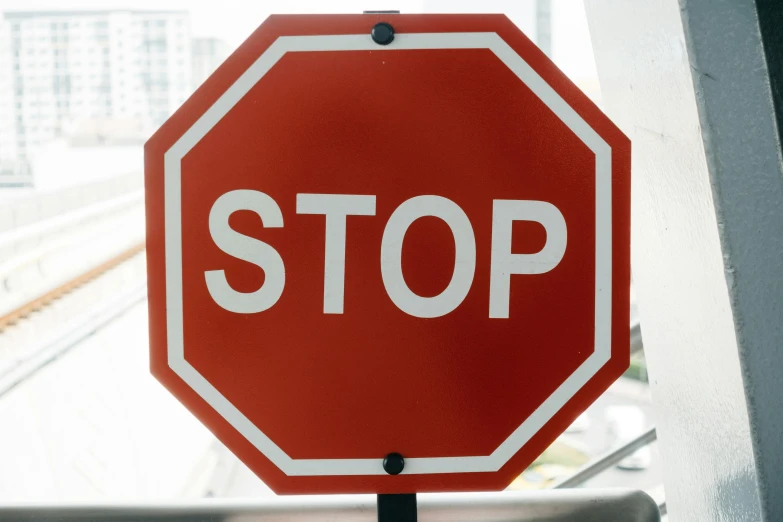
(610, 505)
(604, 462)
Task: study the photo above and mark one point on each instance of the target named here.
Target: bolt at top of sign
(300, 298)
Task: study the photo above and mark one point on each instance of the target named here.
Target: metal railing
(576, 505)
(609, 459)
(606, 461)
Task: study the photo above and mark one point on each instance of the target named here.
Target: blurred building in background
(533, 17)
(101, 79)
(558, 28)
(92, 77)
(208, 54)
(8, 120)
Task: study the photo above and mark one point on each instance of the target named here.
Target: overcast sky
(234, 20)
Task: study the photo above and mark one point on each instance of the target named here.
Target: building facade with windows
(8, 120)
(75, 69)
(208, 54)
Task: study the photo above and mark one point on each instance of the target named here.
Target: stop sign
(416, 245)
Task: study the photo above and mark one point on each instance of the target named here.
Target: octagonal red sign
(358, 249)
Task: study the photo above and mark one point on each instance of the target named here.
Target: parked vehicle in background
(580, 425)
(623, 423)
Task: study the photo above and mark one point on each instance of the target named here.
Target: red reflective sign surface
(325, 390)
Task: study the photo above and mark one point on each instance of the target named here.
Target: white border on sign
(603, 253)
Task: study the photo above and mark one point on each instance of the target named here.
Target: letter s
(247, 249)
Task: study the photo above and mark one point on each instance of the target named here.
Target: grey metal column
(689, 83)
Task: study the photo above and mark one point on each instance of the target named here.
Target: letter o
(391, 256)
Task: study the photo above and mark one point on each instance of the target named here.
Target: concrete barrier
(50, 237)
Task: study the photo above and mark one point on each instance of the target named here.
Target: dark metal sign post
(397, 508)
